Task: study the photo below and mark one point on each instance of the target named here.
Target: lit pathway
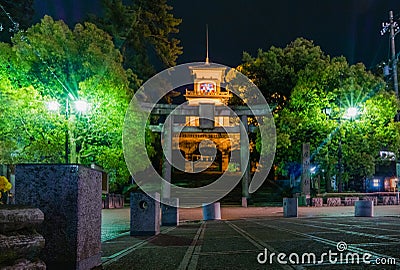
(236, 243)
(114, 222)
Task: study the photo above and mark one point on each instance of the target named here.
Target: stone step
(26, 264)
(15, 247)
(14, 218)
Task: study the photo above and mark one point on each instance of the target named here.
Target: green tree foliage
(143, 30)
(320, 82)
(276, 71)
(28, 133)
(21, 14)
(362, 138)
(52, 62)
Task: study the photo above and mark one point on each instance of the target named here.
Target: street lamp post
(350, 114)
(67, 131)
(81, 106)
(340, 165)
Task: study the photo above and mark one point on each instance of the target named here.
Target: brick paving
(237, 240)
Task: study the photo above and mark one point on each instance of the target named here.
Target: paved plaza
(252, 238)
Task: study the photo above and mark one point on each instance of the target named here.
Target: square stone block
(364, 209)
(70, 198)
(212, 211)
(290, 206)
(145, 214)
(170, 212)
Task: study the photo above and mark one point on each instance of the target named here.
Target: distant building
(384, 179)
(199, 146)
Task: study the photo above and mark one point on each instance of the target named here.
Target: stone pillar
(70, 198)
(306, 174)
(170, 213)
(244, 161)
(167, 168)
(145, 214)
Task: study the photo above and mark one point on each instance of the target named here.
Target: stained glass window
(207, 88)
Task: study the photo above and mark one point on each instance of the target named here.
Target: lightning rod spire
(207, 62)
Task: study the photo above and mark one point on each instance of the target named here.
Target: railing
(344, 199)
(113, 201)
(193, 93)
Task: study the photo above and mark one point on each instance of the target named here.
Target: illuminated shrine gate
(204, 127)
(200, 148)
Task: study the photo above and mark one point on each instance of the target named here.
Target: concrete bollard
(212, 211)
(290, 206)
(145, 214)
(364, 208)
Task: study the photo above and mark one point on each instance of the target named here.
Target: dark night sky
(341, 27)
